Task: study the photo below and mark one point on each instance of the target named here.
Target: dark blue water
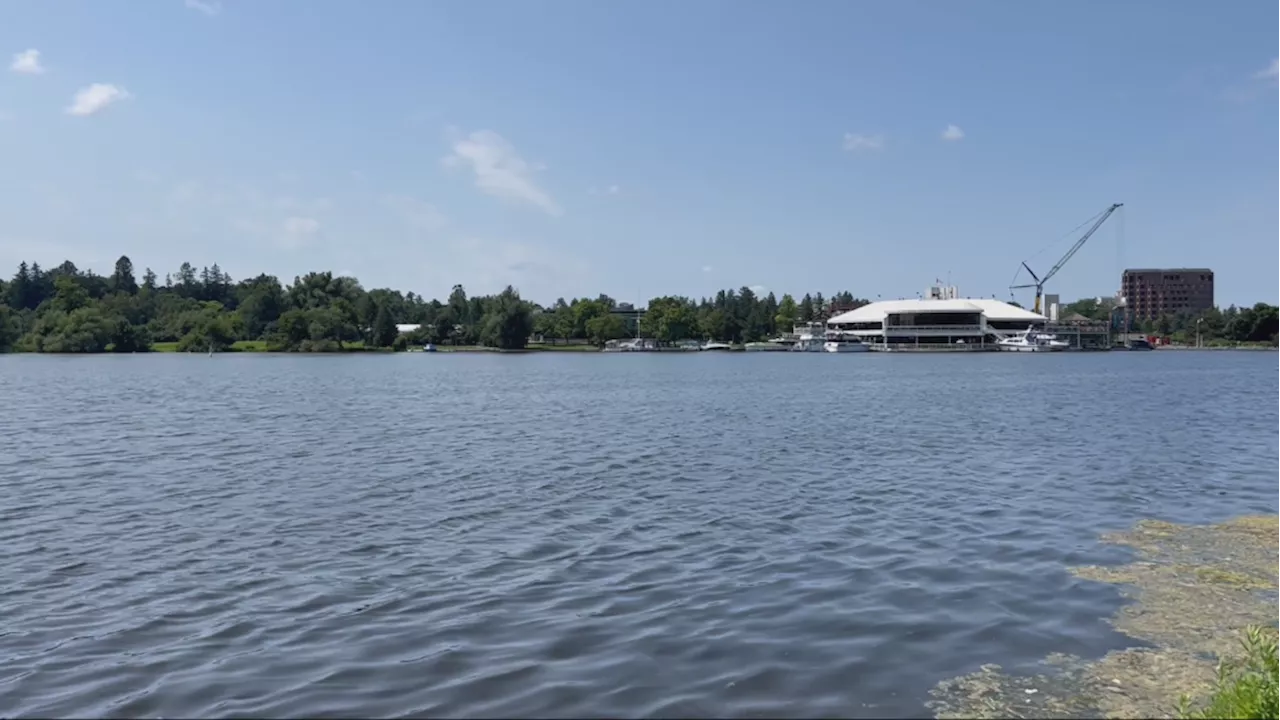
(565, 535)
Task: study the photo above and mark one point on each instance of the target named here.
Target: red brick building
(1150, 293)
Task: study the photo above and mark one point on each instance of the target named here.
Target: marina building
(940, 320)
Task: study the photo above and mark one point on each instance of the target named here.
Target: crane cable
(1041, 251)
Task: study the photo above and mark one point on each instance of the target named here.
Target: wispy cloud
(208, 7)
(417, 214)
(95, 98)
(1270, 72)
(854, 142)
(953, 133)
(707, 268)
(500, 171)
(27, 62)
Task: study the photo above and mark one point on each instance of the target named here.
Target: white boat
(1032, 341)
(842, 342)
(716, 346)
(808, 343)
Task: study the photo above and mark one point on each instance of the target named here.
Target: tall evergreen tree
(122, 279)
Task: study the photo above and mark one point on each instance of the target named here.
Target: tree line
(731, 316)
(1216, 326)
(67, 310)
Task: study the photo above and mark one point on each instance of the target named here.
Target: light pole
(1198, 321)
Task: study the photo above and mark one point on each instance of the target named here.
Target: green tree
(606, 327)
(22, 290)
(68, 295)
(213, 331)
(785, 319)
(508, 322)
(261, 300)
(805, 311)
(669, 320)
(83, 330)
(384, 327)
(9, 331)
(121, 279)
(129, 338)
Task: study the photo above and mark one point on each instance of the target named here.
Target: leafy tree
(9, 329)
(129, 338)
(604, 328)
(69, 295)
(82, 330)
(785, 319)
(261, 300)
(669, 320)
(508, 322)
(384, 327)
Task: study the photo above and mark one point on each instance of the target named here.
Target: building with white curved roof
(936, 321)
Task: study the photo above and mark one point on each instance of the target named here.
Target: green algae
(1196, 591)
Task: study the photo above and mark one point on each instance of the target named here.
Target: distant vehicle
(429, 347)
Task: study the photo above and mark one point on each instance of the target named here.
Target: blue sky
(644, 148)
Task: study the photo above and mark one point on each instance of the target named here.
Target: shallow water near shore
(567, 535)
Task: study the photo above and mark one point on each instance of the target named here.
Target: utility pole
(1198, 321)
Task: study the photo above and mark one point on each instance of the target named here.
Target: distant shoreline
(260, 347)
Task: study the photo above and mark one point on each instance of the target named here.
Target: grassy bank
(238, 346)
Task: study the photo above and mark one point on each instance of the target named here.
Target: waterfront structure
(1149, 293)
(1081, 333)
(940, 321)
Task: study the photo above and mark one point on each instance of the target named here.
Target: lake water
(569, 535)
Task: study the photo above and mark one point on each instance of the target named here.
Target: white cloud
(1271, 71)
(759, 290)
(613, 190)
(853, 142)
(96, 97)
(500, 171)
(208, 7)
(953, 133)
(27, 62)
(297, 231)
(707, 268)
(418, 215)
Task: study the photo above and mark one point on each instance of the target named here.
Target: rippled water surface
(557, 535)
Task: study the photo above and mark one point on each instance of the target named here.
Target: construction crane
(1040, 281)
